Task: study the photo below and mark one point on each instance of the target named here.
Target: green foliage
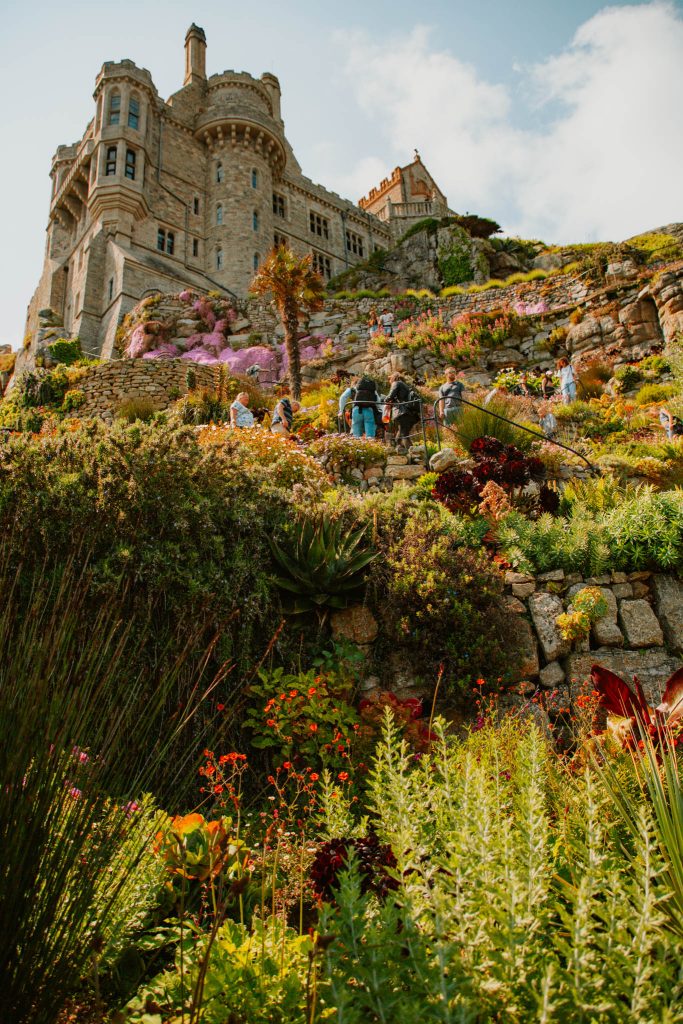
(73, 400)
(644, 531)
(65, 350)
(253, 974)
(655, 246)
(322, 566)
(340, 453)
(654, 366)
(586, 607)
(454, 264)
(655, 393)
(628, 376)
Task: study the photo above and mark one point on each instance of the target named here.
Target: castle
(194, 192)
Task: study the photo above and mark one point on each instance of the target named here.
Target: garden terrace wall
(161, 381)
(641, 634)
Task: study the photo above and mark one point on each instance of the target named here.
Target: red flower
(313, 727)
(343, 776)
(287, 765)
(220, 707)
(314, 776)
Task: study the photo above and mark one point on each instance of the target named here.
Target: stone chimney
(195, 55)
(272, 84)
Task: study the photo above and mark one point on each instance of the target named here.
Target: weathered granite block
(668, 594)
(544, 610)
(640, 624)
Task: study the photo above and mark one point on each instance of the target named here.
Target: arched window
(130, 164)
(254, 178)
(219, 173)
(254, 220)
(219, 259)
(257, 261)
(219, 214)
(134, 112)
(115, 108)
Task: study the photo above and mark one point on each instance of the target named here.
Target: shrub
(587, 606)
(65, 350)
(592, 379)
(628, 376)
(136, 408)
(439, 599)
(342, 452)
(73, 400)
(650, 393)
(646, 532)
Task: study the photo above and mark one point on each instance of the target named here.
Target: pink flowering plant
(459, 339)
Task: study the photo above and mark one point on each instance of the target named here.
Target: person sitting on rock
(283, 416)
(449, 406)
(546, 420)
(406, 409)
(240, 414)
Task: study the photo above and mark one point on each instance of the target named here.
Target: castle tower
(195, 55)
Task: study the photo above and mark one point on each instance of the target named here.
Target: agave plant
(618, 699)
(323, 567)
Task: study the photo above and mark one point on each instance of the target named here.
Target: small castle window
(161, 240)
(219, 214)
(195, 247)
(254, 220)
(219, 259)
(111, 288)
(279, 240)
(110, 163)
(322, 265)
(319, 225)
(170, 242)
(254, 178)
(134, 113)
(115, 108)
(278, 205)
(257, 260)
(219, 173)
(196, 205)
(355, 244)
(130, 164)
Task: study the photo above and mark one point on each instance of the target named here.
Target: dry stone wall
(161, 381)
(641, 634)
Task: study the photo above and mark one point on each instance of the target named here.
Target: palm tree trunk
(290, 322)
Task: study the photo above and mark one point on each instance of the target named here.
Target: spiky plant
(323, 566)
(295, 289)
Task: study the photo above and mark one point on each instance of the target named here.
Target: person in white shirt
(567, 380)
(386, 322)
(546, 420)
(240, 415)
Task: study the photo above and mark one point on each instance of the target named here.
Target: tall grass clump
(485, 422)
(86, 733)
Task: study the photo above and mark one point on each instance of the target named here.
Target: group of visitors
(384, 323)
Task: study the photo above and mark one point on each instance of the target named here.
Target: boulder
(640, 624)
(394, 472)
(544, 610)
(443, 460)
(356, 623)
(653, 667)
(668, 594)
(522, 590)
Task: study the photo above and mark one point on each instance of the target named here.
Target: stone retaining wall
(162, 381)
(641, 634)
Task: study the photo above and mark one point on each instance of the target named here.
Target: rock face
(443, 460)
(605, 630)
(668, 593)
(529, 667)
(544, 609)
(640, 624)
(356, 624)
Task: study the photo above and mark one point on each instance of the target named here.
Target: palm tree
(296, 289)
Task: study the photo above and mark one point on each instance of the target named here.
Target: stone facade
(193, 191)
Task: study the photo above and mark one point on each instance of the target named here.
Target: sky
(561, 120)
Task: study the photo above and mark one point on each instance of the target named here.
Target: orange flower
(314, 776)
(343, 776)
(313, 727)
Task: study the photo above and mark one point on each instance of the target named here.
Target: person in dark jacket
(363, 417)
(405, 407)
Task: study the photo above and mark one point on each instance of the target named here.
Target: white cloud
(602, 157)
